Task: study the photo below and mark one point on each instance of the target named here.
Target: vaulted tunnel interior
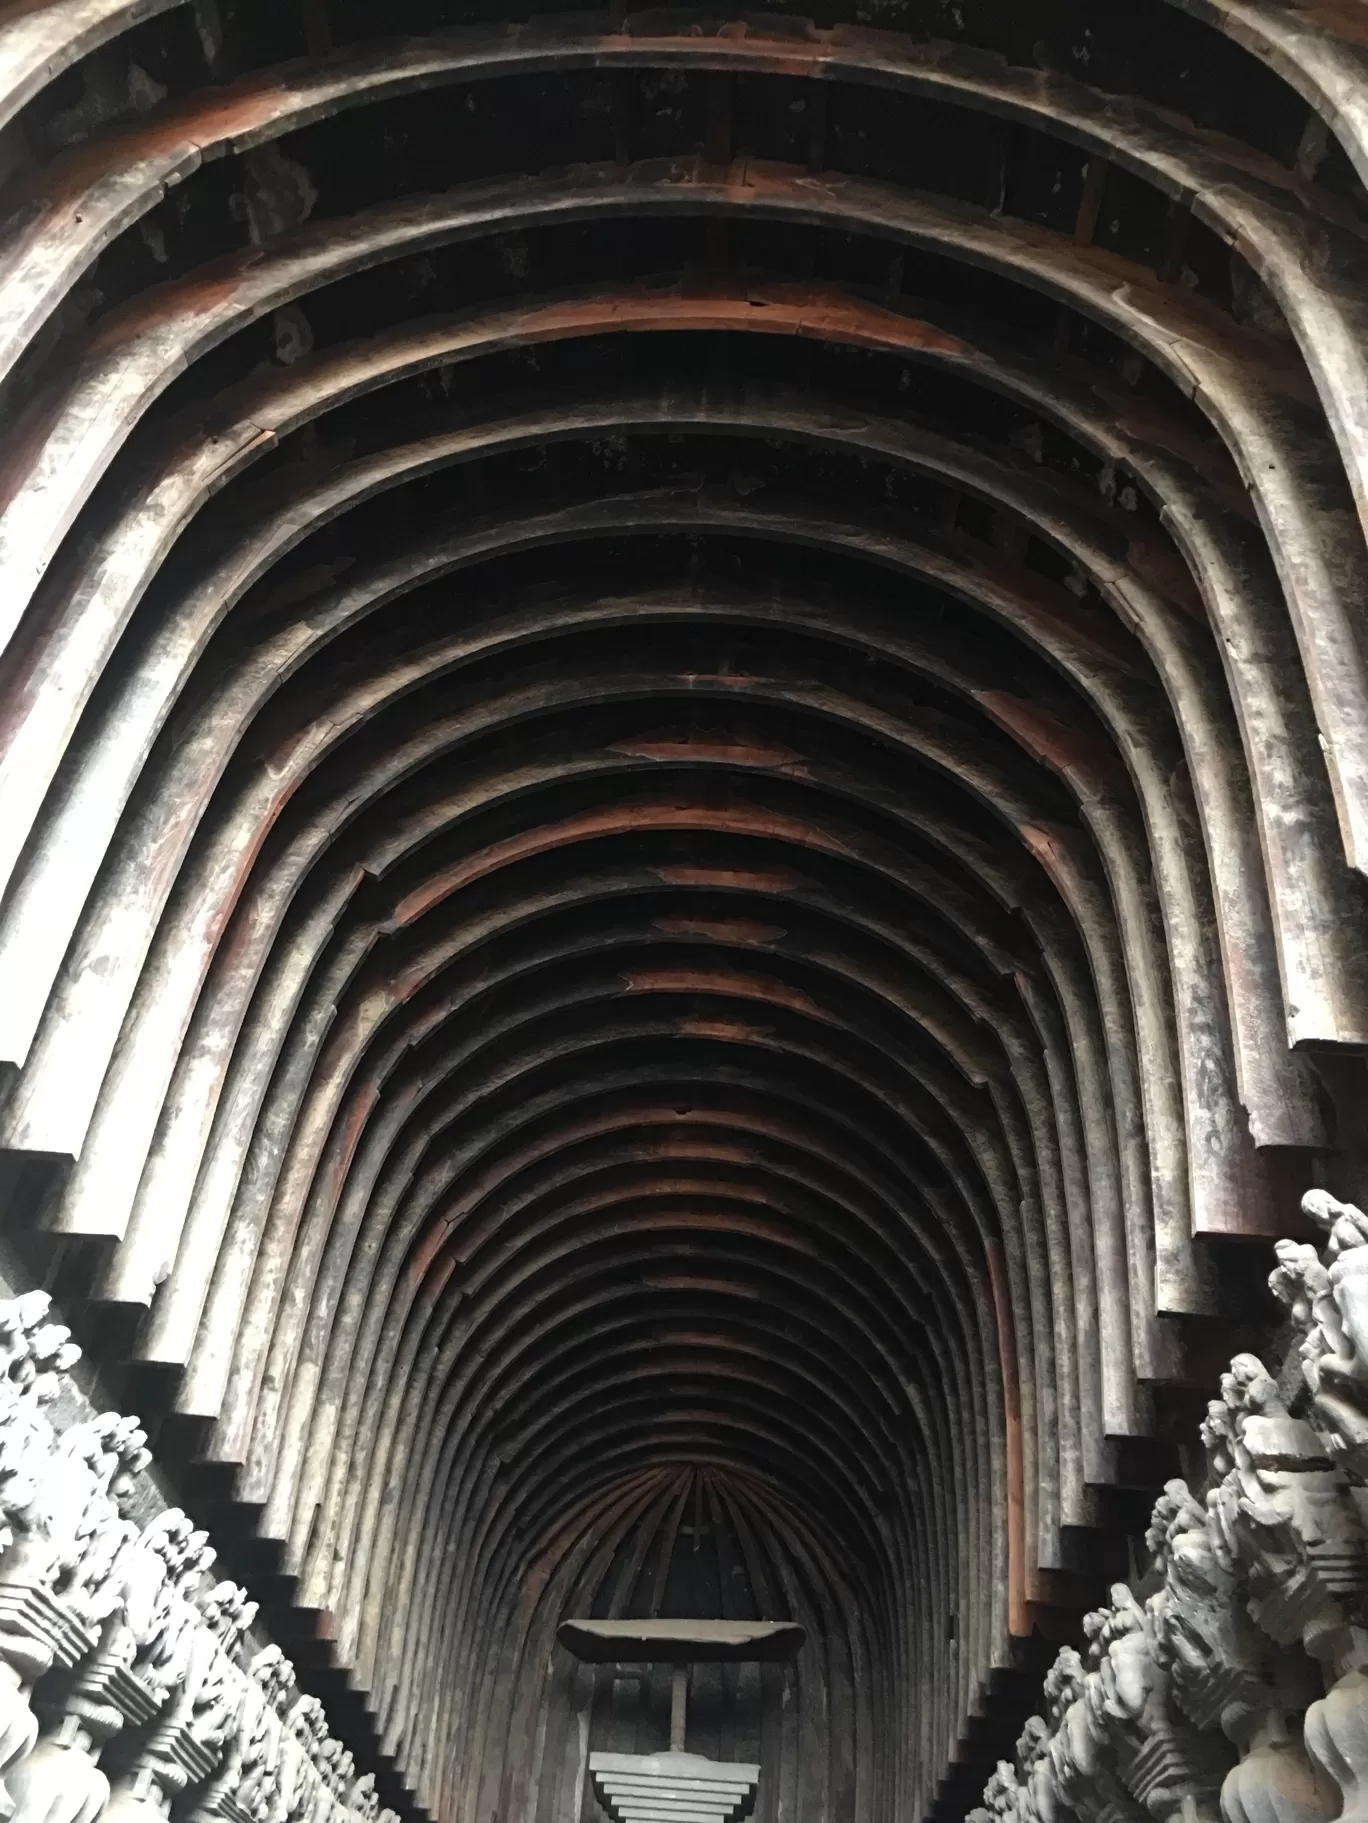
(683, 804)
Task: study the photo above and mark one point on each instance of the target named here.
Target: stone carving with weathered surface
(1238, 1688)
(110, 1629)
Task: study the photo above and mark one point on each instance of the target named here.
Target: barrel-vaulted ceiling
(683, 804)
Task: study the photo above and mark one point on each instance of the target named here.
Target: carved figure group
(123, 1686)
(1233, 1681)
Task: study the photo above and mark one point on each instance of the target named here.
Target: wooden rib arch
(72, 435)
(609, 962)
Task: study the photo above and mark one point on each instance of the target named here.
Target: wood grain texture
(683, 785)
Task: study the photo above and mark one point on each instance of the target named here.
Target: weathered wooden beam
(681, 1641)
(38, 42)
(653, 962)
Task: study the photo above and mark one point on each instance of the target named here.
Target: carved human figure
(1283, 1516)
(275, 1676)
(251, 1786)
(1335, 1730)
(1222, 1670)
(1001, 1797)
(305, 1728)
(1301, 1283)
(1329, 1300)
(1254, 1598)
(1038, 1801)
(89, 1557)
(33, 1353)
(119, 1627)
(165, 1625)
(1275, 1780)
(361, 1799)
(188, 1744)
(1081, 1769)
(1216, 1659)
(1119, 1692)
(78, 1527)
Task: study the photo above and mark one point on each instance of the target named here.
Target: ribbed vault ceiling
(683, 795)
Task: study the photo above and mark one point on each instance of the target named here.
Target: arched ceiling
(683, 796)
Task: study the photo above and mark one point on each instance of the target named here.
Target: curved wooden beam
(655, 934)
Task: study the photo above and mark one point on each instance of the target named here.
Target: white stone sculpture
(106, 1628)
(67, 1560)
(1329, 1297)
(34, 1631)
(1246, 1668)
(190, 1742)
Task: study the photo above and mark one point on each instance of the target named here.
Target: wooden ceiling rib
(683, 805)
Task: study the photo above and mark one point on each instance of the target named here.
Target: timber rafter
(683, 805)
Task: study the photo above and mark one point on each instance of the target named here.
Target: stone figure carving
(1224, 1672)
(183, 1557)
(1036, 1801)
(72, 1558)
(247, 1788)
(1001, 1797)
(1082, 1763)
(1283, 1513)
(1252, 1644)
(362, 1801)
(1216, 1659)
(33, 1354)
(1336, 1734)
(106, 1628)
(238, 1791)
(1329, 1299)
(79, 1528)
(275, 1677)
(192, 1738)
(302, 1787)
(1168, 1765)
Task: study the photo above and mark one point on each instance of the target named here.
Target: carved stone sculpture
(189, 1743)
(1330, 1298)
(106, 1628)
(1082, 1769)
(34, 1633)
(1215, 1657)
(1169, 1766)
(1285, 1517)
(1257, 1599)
(69, 1560)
